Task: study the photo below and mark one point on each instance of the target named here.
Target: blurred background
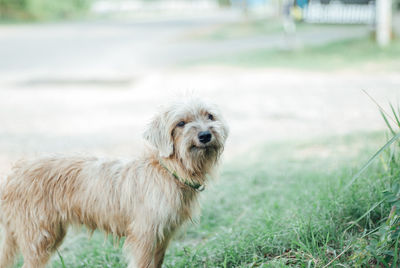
(85, 76)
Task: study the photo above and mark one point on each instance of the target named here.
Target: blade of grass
(395, 253)
(349, 247)
(363, 216)
(398, 108)
(387, 122)
(61, 259)
(380, 260)
(377, 104)
(395, 115)
(369, 162)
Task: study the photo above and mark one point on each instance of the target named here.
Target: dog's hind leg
(35, 260)
(38, 249)
(36, 255)
(9, 250)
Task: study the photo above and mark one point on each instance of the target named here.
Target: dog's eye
(181, 124)
(210, 116)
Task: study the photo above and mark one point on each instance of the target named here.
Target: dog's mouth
(198, 147)
(203, 147)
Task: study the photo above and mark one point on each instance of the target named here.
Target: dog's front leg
(141, 248)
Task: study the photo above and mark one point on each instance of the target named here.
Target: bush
(42, 9)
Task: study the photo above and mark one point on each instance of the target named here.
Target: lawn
(356, 54)
(280, 204)
(250, 27)
(233, 30)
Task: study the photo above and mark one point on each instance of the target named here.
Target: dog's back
(42, 197)
(29, 219)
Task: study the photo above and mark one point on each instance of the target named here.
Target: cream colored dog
(144, 200)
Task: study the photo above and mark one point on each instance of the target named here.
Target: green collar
(197, 187)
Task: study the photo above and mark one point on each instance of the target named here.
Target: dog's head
(192, 131)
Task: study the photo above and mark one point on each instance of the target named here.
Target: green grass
(233, 30)
(285, 207)
(353, 53)
(253, 27)
(14, 11)
(282, 204)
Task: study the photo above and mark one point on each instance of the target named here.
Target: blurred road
(126, 49)
(92, 87)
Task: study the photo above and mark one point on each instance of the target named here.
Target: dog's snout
(205, 136)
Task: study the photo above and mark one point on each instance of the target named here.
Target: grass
(14, 11)
(279, 205)
(232, 30)
(286, 207)
(352, 53)
(252, 27)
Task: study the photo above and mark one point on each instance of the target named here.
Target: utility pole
(383, 22)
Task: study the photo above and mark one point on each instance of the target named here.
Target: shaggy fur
(137, 199)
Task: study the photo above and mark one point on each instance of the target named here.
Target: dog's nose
(204, 136)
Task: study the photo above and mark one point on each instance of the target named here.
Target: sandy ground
(91, 88)
(261, 105)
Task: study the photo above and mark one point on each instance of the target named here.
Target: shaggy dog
(144, 200)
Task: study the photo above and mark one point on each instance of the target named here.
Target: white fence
(336, 12)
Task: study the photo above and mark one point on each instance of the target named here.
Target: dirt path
(260, 106)
(91, 87)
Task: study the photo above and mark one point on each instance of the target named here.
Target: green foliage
(224, 3)
(42, 9)
(296, 212)
(362, 53)
(234, 30)
(381, 247)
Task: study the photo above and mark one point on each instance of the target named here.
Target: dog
(144, 200)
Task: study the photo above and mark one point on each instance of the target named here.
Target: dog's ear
(158, 134)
